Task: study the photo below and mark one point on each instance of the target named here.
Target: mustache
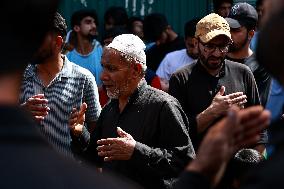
(214, 58)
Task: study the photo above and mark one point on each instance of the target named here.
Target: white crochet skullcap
(132, 46)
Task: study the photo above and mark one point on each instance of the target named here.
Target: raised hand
(239, 129)
(120, 148)
(37, 105)
(77, 119)
(221, 103)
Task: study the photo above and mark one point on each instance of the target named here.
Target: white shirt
(172, 62)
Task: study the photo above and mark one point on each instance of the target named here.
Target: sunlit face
(116, 74)
(224, 9)
(239, 37)
(191, 44)
(88, 27)
(212, 54)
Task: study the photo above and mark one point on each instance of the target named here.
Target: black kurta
(156, 121)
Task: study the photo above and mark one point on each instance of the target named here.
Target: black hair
(118, 14)
(131, 20)
(258, 3)
(190, 27)
(78, 16)
(115, 31)
(218, 3)
(34, 19)
(153, 26)
(59, 25)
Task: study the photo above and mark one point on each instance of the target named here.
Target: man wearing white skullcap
(142, 132)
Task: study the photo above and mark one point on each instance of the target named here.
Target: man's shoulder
(76, 70)
(154, 95)
(236, 66)
(175, 54)
(185, 70)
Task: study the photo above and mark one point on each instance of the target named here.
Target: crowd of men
(147, 108)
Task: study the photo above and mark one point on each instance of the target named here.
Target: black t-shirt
(261, 76)
(155, 54)
(195, 89)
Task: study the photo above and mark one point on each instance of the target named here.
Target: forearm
(205, 119)
(80, 143)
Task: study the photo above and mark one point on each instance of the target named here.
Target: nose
(94, 25)
(104, 75)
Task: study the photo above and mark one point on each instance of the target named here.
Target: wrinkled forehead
(112, 56)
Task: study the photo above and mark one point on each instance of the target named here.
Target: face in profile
(116, 74)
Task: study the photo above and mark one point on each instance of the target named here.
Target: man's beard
(40, 57)
(234, 47)
(91, 37)
(117, 92)
(209, 66)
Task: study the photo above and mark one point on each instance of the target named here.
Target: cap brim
(233, 23)
(211, 35)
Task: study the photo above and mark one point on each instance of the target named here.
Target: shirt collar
(65, 71)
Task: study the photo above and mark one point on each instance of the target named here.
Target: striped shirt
(72, 86)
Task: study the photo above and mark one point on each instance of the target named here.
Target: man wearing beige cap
(207, 88)
(142, 133)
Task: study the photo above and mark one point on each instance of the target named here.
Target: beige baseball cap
(212, 26)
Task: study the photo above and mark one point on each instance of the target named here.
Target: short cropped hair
(59, 25)
(78, 16)
(154, 25)
(118, 14)
(190, 27)
(218, 3)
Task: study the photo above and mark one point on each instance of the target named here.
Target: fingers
(250, 113)
(240, 100)
(235, 95)
(39, 118)
(253, 121)
(107, 141)
(221, 91)
(122, 133)
(38, 96)
(37, 101)
(83, 109)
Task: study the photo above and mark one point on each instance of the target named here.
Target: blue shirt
(275, 103)
(91, 61)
